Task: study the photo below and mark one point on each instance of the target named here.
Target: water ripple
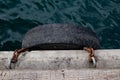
(18, 16)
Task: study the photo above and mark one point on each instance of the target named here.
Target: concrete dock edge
(61, 65)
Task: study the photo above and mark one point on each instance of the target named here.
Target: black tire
(60, 37)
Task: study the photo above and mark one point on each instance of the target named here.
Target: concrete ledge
(83, 74)
(60, 59)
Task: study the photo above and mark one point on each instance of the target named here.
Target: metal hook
(16, 54)
(94, 61)
(12, 65)
(91, 55)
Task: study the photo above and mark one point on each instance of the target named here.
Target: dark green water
(18, 16)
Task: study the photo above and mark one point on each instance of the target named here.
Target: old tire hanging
(60, 37)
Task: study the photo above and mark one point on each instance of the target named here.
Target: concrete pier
(66, 64)
(62, 59)
(82, 74)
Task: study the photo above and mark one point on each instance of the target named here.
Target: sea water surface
(18, 16)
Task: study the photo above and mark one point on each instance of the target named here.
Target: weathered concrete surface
(83, 74)
(60, 59)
